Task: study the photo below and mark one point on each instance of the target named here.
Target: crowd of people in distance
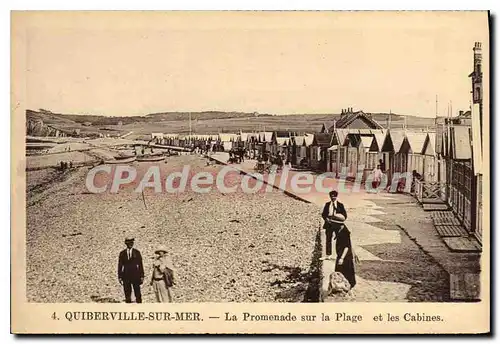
(63, 165)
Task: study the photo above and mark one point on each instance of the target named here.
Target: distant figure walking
(377, 178)
(131, 271)
(162, 279)
(382, 165)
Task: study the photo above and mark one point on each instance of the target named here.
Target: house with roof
(479, 167)
(350, 119)
(351, 152)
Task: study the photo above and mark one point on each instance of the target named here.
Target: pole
(436, 105)
(190, 123)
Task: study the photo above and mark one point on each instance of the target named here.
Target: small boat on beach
(150, 158)
(121, 161)
(123, 156)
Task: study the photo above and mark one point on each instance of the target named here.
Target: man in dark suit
(330, 211)
(131, 271)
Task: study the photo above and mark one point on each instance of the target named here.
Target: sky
(122, 64)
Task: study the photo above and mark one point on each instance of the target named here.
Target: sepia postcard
(322, 172)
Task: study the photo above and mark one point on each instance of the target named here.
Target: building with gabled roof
(354, 120)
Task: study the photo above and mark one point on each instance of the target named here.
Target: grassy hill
(210, 122)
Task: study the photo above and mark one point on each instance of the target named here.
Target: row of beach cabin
(357, 144)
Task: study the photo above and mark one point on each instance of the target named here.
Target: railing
(427, 190)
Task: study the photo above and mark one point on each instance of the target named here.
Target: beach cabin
(284, 146)
(284, 142)
(228, 141)
(429, 154)
(157, 137)
(308, 140)
(441, 154)
(339, 154)
(267, 142)
(374, 153)
(394, 161)
(245, 139)
(430, 189)
(411, 147)
(298, 149)
(171, 139)
(321, 142)
(252, 140)
(460, 173)
(357, 144)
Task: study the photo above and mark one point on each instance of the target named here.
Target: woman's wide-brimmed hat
(338, 218)
(161, 248)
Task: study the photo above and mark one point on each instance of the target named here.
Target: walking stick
(144, 199)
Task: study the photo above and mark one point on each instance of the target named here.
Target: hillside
(205, 115)
(208, 122)
(41, 123)
(97, 120)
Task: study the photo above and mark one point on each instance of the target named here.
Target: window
(342, 155)
(333, 156)
(477, 93)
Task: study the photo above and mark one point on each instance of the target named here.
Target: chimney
(478, 57)
(460, 113)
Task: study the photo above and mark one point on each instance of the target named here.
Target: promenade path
(392, 266)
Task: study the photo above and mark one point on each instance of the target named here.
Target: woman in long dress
(345, 256)
(162, 279)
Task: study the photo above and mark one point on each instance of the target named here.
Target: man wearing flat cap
(162, 279)
(131, 271)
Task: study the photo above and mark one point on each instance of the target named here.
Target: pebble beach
(234, 247)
